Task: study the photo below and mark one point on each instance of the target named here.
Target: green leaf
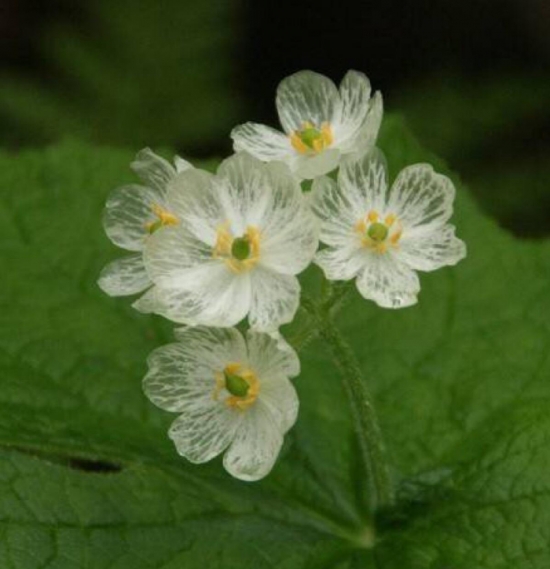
(88, 477)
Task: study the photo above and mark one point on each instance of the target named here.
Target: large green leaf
(89, 479)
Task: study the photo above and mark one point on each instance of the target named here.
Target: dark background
(470, 76)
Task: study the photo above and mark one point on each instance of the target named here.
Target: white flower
(132, 214)
(382, 235)
(243, 236)
(231, 394)
(321, 123)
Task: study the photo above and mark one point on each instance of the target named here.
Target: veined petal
(181, 165)
(208, 295)
(255, 446)
(428, 251)
(147, 302)
(388, 282)
(364, 181)
(171, 253)
(279, 395)
(193, 197)
(124, 276)
(205, 429)
(341, 264)
(337, 212)
(307, 96)
(309, 167)
(365, 138)
(275, 299)
(421, 198)
(184, 372)
(154, 171)
(262, 142)
(355, 92)
(127, 212)
(289, 231)
(268, 359)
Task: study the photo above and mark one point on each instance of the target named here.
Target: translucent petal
(289, 231)
(307, 96)
(275, 299)
(262, 142)
(127, 213)
(154, 171)
(255, 446)
(279, 395)
(364, 181)
(307, 167)
(365, 139)
(184, 372)
(337, 212)
(355, 96)
(341, 264)
(194, 198)
(124, 276)
(147, 302)
(181, 165)
(421, 198)
(205, 429)
(268, 359)
(388, 282)
(429, 251)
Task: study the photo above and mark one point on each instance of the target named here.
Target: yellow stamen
(240, 403)
(164, 218)
(376, 235)
(311, 139)
(224, 248)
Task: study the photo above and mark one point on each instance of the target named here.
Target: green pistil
(240, 248)
(236, 385)
(309, 135)
(377, 232)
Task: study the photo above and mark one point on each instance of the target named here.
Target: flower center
(240, 254)
(377, 234)
(311, 139)
(164, 218)
(241, 384)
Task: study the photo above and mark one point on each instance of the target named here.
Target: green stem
(365, 422)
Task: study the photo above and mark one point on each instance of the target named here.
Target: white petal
(262, 142)
(337, 212)
(268, 359)
(255, 446)
(193, 197)
(341, 264)
(308, 167)
(205, 429)
(390, 283)
(289, 231)
(155, 171)
(356, 105)
(428, 251)
(209, 295)
(124, 276)
(421, 198)
(364, 181)
(307, 96)
(127, 213)
(275, 299)
(181, 165)
(367, 135)
(184, 372)
(279, 395)
(147, 302)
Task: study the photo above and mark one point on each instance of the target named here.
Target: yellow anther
(311, 139)
(390, 219)
(373, 216)
(232, 250)
(247, 381)
(164, 218)
(376, 235)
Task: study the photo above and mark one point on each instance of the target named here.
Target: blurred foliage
(132, 74)
(492, 131)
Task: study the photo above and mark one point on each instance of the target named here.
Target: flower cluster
(212, 250)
